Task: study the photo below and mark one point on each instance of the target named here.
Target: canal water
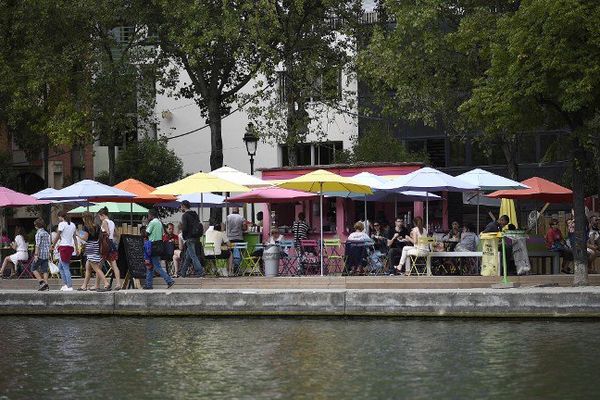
(240, 358)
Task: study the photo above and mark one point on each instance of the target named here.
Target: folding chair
(375, 259)
(333, 259)
(211, 267)
(308, 260)
(418, 258)
(26, 267)
(250, 262)
(356, 256)
(237, 251)
(287, 260)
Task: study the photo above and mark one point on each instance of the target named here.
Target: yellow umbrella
(320, 181)
(507, 207)
(199, 183)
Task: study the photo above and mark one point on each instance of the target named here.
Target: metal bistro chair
(238, 249)
(334, 261)
(287, 261)
(25, 267)
(376, 260)
(308, 260)
(356, 256)
(251, 262)
(418, 258)
(212, 263)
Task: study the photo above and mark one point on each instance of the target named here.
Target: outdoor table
(450, 254)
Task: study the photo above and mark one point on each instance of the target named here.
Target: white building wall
(177, 116)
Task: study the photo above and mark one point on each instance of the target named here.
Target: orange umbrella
(539, 189)
(143, 192)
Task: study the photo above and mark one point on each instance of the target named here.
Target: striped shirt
(300, 230)
(42, 243)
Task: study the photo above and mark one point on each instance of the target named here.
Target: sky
(368, 5)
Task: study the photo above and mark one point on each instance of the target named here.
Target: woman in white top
(108, 227)
(20, 246)
(66, 247)
(214, 235)
(417, 248)
(359, 234)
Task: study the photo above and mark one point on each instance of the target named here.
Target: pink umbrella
(10, 198)
(271, 195)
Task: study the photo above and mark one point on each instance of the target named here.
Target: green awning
(113, 208)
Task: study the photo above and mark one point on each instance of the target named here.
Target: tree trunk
(216, 150)
(47, 209)
(580, 277)
(509, 147)
(111, 162)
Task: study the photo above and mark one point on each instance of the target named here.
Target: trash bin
(489, 248)
(271, 256)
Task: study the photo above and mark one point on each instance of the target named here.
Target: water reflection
(296, 358)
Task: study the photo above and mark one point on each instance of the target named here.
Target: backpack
(197, 228)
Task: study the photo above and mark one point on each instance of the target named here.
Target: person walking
(154, 230)
(66, 246)
(39, 268)
(192, 231)
(108, 227)
(91, 236)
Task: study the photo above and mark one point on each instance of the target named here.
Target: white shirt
(273, 240)
(21, 244)
(66, 230)
(111, 229)
(217, 237)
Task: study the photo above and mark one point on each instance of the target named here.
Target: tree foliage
(149, 161)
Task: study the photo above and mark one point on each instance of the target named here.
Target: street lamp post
(251, 141)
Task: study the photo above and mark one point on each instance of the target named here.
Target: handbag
(105, 244)
(158, 248)
(52, 267)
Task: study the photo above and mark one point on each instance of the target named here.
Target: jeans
(190, 255)
(161, 271)
(65, 272)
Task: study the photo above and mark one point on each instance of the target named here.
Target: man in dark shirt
(396, 241)
(497, 226)
(191, 230)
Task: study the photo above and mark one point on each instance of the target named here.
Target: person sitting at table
(21, 254)
(379, 238)
(396, 242)
(555, 242)
(416, 249)
(4, 239)
(469, 240)
(359, 235)
(454, 234)
(356, 260)
(221, 245)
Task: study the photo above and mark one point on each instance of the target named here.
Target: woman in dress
(91, 234)
(417, 248)
(108, 227)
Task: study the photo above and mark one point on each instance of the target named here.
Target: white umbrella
(430, 180)
(488, 181)
(86, 189)
(49, 191)
(239, 177)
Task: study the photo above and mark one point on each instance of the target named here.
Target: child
(41, 254)
(147, 249)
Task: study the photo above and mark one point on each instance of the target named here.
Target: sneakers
(65, 288)
(43, 286)
(170, 285)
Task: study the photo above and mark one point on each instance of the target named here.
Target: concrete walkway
(479, 302)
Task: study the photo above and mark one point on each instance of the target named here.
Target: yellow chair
(334, 261)
(418, 256)
(215, 263)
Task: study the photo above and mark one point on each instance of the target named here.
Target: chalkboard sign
(131, 256)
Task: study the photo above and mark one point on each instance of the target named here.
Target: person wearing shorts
(21, 254)
(39, 268)
(108, 227)
(66, 246)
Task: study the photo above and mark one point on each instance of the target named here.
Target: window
(325, 152)
(457, 154)
(303, 154)
(436, 150)
(326, 86)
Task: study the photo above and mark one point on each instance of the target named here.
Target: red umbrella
(271, 195)
(539, 189)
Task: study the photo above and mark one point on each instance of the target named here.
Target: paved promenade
(529, 302)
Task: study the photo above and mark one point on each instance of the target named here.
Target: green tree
(149, 161)
(378, 145)
(422, 66)
(545, 67)
(218, 45)
(310, 45)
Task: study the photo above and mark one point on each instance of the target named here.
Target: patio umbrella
(48, 191)
(238, 177)
(507, 207)
(113, 208)
(321, 181)
(539, 189)
(430, 180)
(87, 189)
(210, 200)
(487, 182)
(11, 198)
(143, 194)
(271, 194)
(200, 183)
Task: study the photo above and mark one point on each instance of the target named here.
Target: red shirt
(171, 238)
(553, 235)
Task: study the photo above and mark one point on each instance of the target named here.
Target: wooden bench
(554, 255)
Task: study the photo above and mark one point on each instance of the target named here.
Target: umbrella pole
(131, 214)
(478, 196)
(366, 220)
(395, 206)
(321, 223)
(427, 211)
